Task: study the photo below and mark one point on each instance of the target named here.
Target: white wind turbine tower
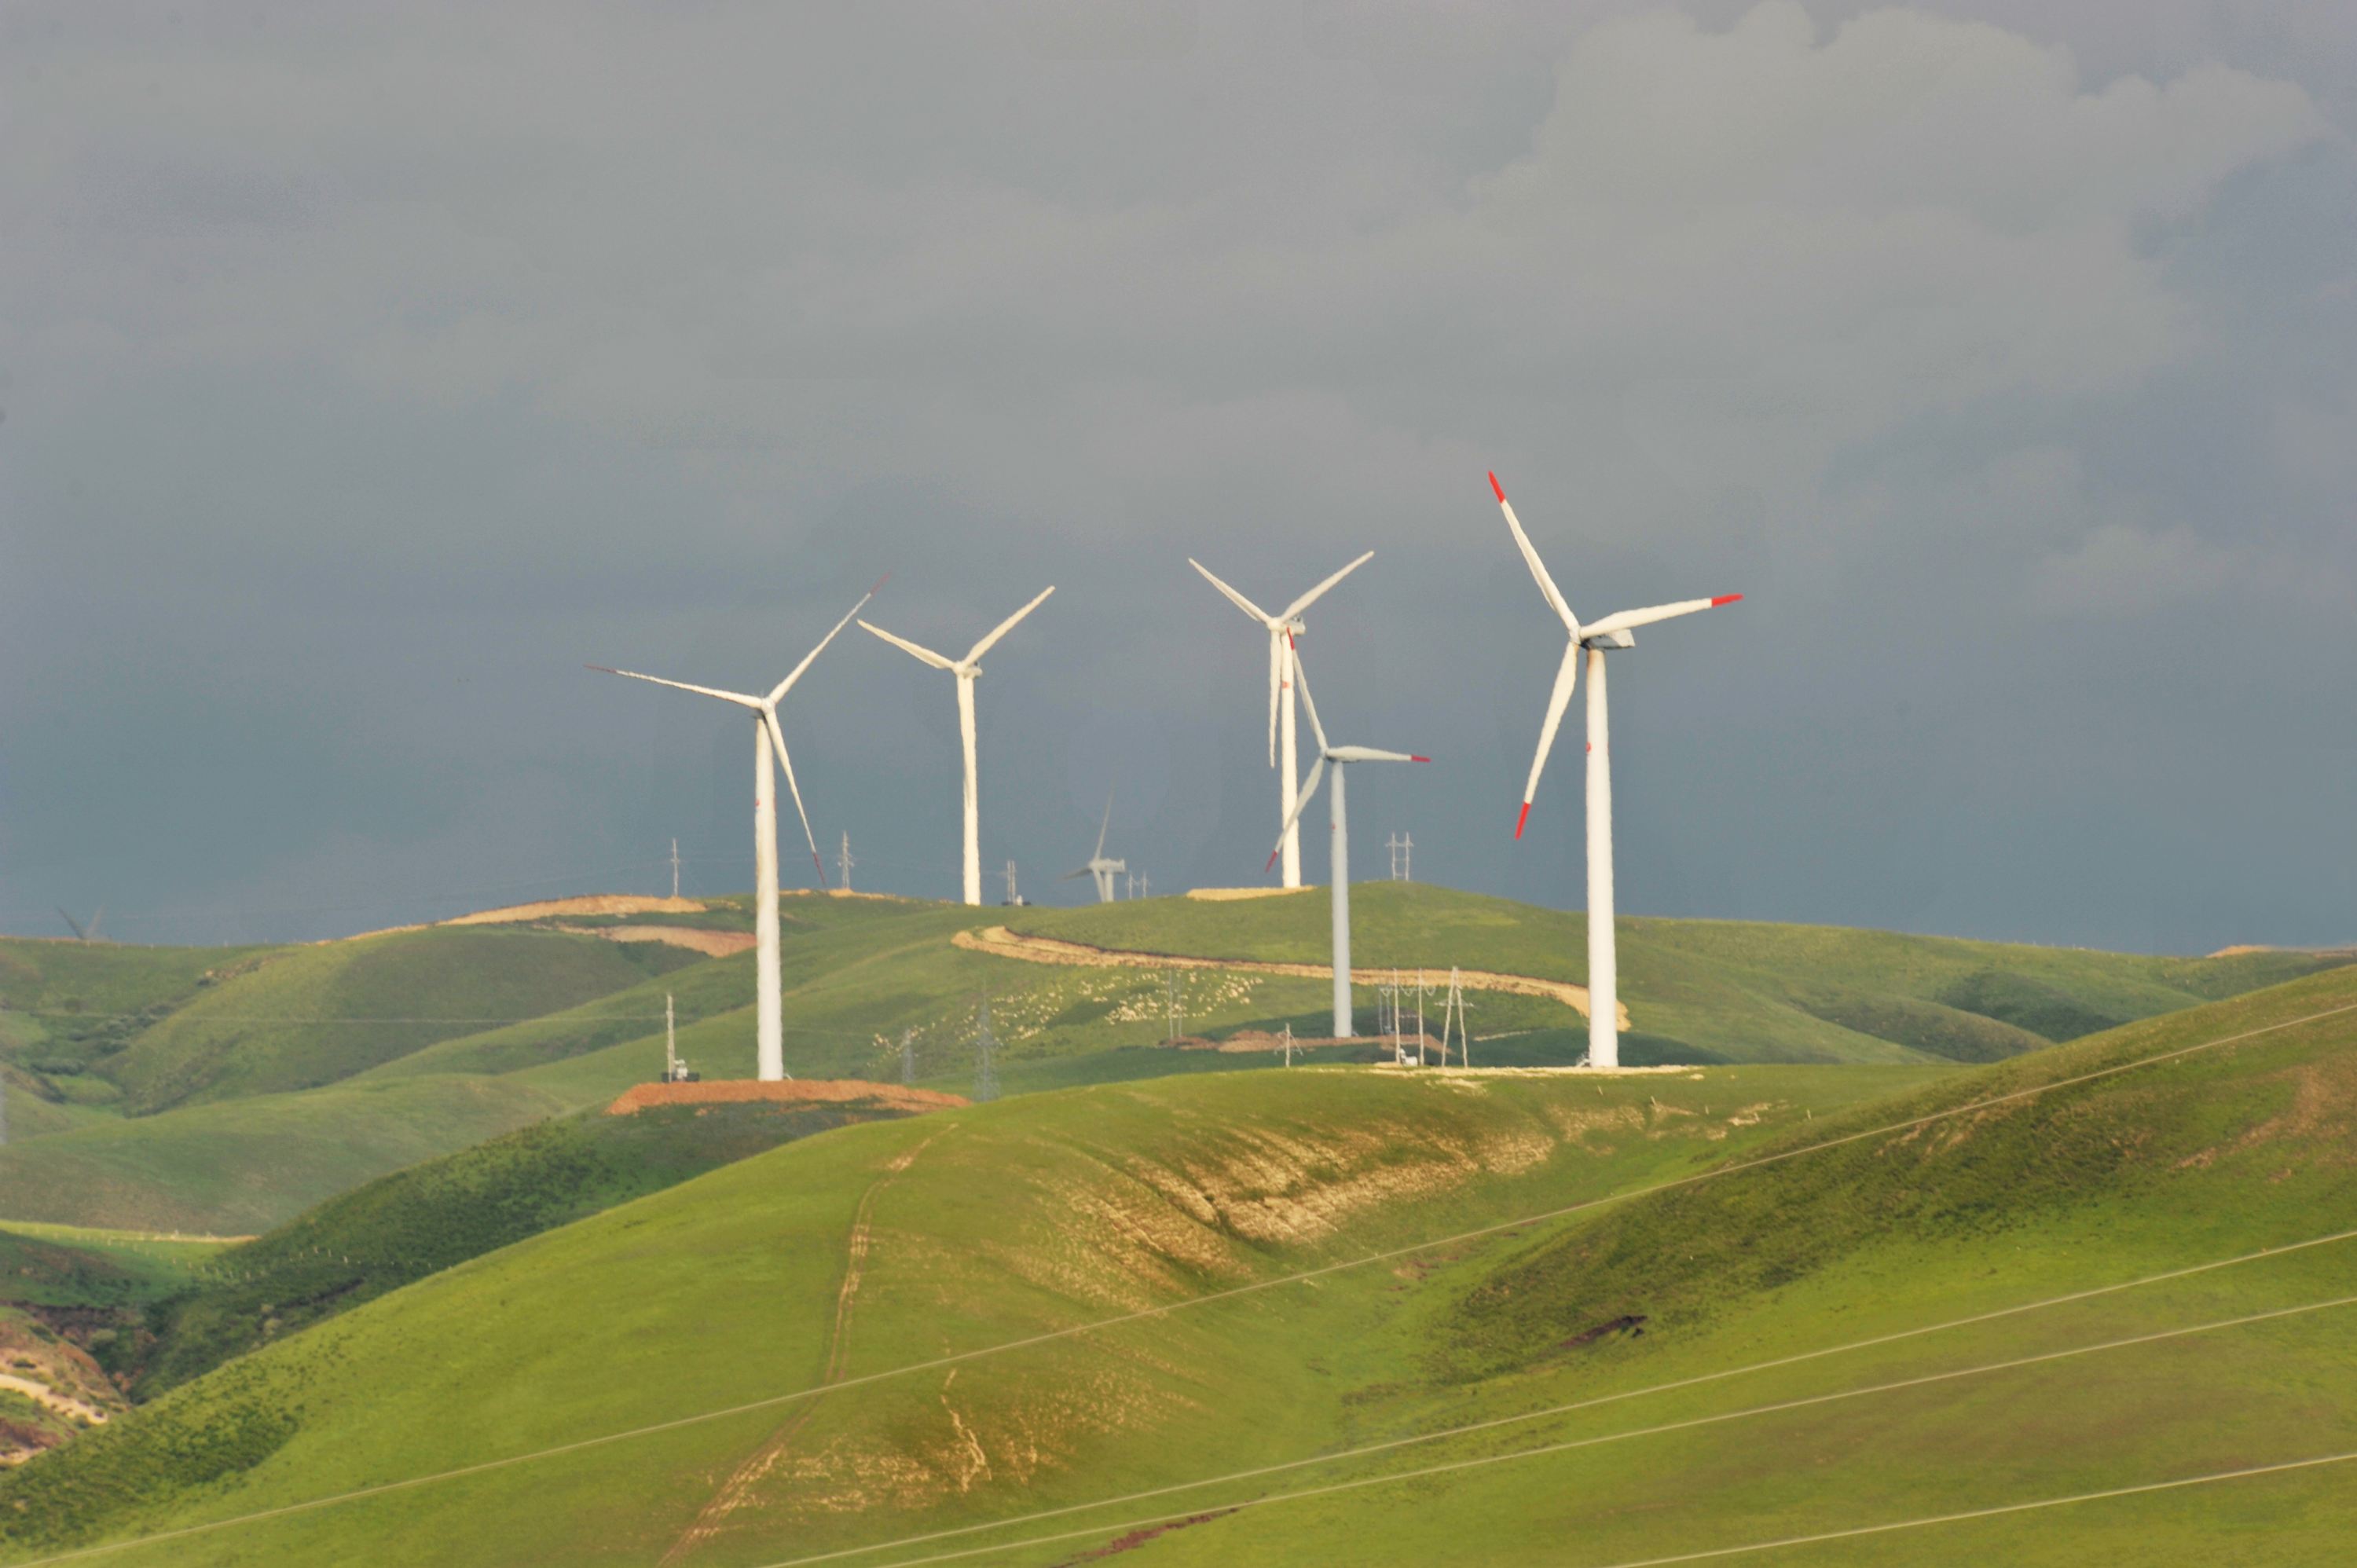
(768, 1029)
(966, 670)
(1587, 644)
(1341, 756)
(1104, 870)
(1282, 628)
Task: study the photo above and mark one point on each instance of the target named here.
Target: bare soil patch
(792, 1091)
(712, 944)
(588, 904)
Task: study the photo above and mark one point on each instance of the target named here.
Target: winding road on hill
(1005, 944)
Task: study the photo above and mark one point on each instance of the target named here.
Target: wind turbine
(1282, 628)
(966, 670)
(1587, 643)
(85, 934)
(768, 1027)
(1097, 864)
(1341, 756)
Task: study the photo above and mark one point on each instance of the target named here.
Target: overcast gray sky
(368, 369)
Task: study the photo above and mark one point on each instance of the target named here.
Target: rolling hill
(1954, 1291)
(294, 1074)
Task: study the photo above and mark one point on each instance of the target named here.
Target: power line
(1167, 1310)
(2275, 1470)
(1570, 1444)
(1493, 1424)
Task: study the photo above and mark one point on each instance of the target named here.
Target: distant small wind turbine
(1284, 627)
(966, 670)
(85, 934)
(1341, 756)
(1588, 643)
(1104, 870)
(769, 989)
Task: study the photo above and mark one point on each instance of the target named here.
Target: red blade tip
(1525, 817)
(1272, 859)
(1419, 759)
(1724, 600)
(1500, 488)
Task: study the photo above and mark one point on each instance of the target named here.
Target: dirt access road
(1005, 944)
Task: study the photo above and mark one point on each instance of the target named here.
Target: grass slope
(1737, 991)
(240, 1166)
(869, 1248)
(316, 1014)
(66, 1005)
(863, 974)
(433, 1216)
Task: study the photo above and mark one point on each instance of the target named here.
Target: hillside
(1713, 990)
(314, 1016)
(432, 1215)
(392, 1029)
(849, 1255)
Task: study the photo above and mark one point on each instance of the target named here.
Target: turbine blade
(739, 698)
(905, 646)
(987, 643)
(1369, 754)
(778, 741)
(1301, 683)
(1309, 787)
(1072, 875)
(1103, 826)
(96, 921)
(1531, 556)
(79, 935)
(1314, 595)
(1626, 620)
(1234, 597)
(1565, 677)
(782, 687)
(1276, 646)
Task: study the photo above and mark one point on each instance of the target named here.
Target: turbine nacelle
(1339, 755)
(1611, 632)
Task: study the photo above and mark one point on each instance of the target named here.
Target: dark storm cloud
(365, 377)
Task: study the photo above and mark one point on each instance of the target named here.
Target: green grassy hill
(1706, 990)
(432, 1215)
(240, 1166)
(382, 997)
(862, 973)
(851, 1254)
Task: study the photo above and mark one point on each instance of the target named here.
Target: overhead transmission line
(1166, 1309)
(1569, 1444)
(1593, 1401)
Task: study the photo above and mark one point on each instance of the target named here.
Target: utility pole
(1419, 1023)
(675, 868)
(907, 1055)
(1145, 886)
(1387, 1015)
(985, 1072)
(844, 862)
(1129, 885)
(671, 1043)
(1288, 1042)
(1455, 1008)
(1012, 900)
(1174, 1002)
(1403, 848)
